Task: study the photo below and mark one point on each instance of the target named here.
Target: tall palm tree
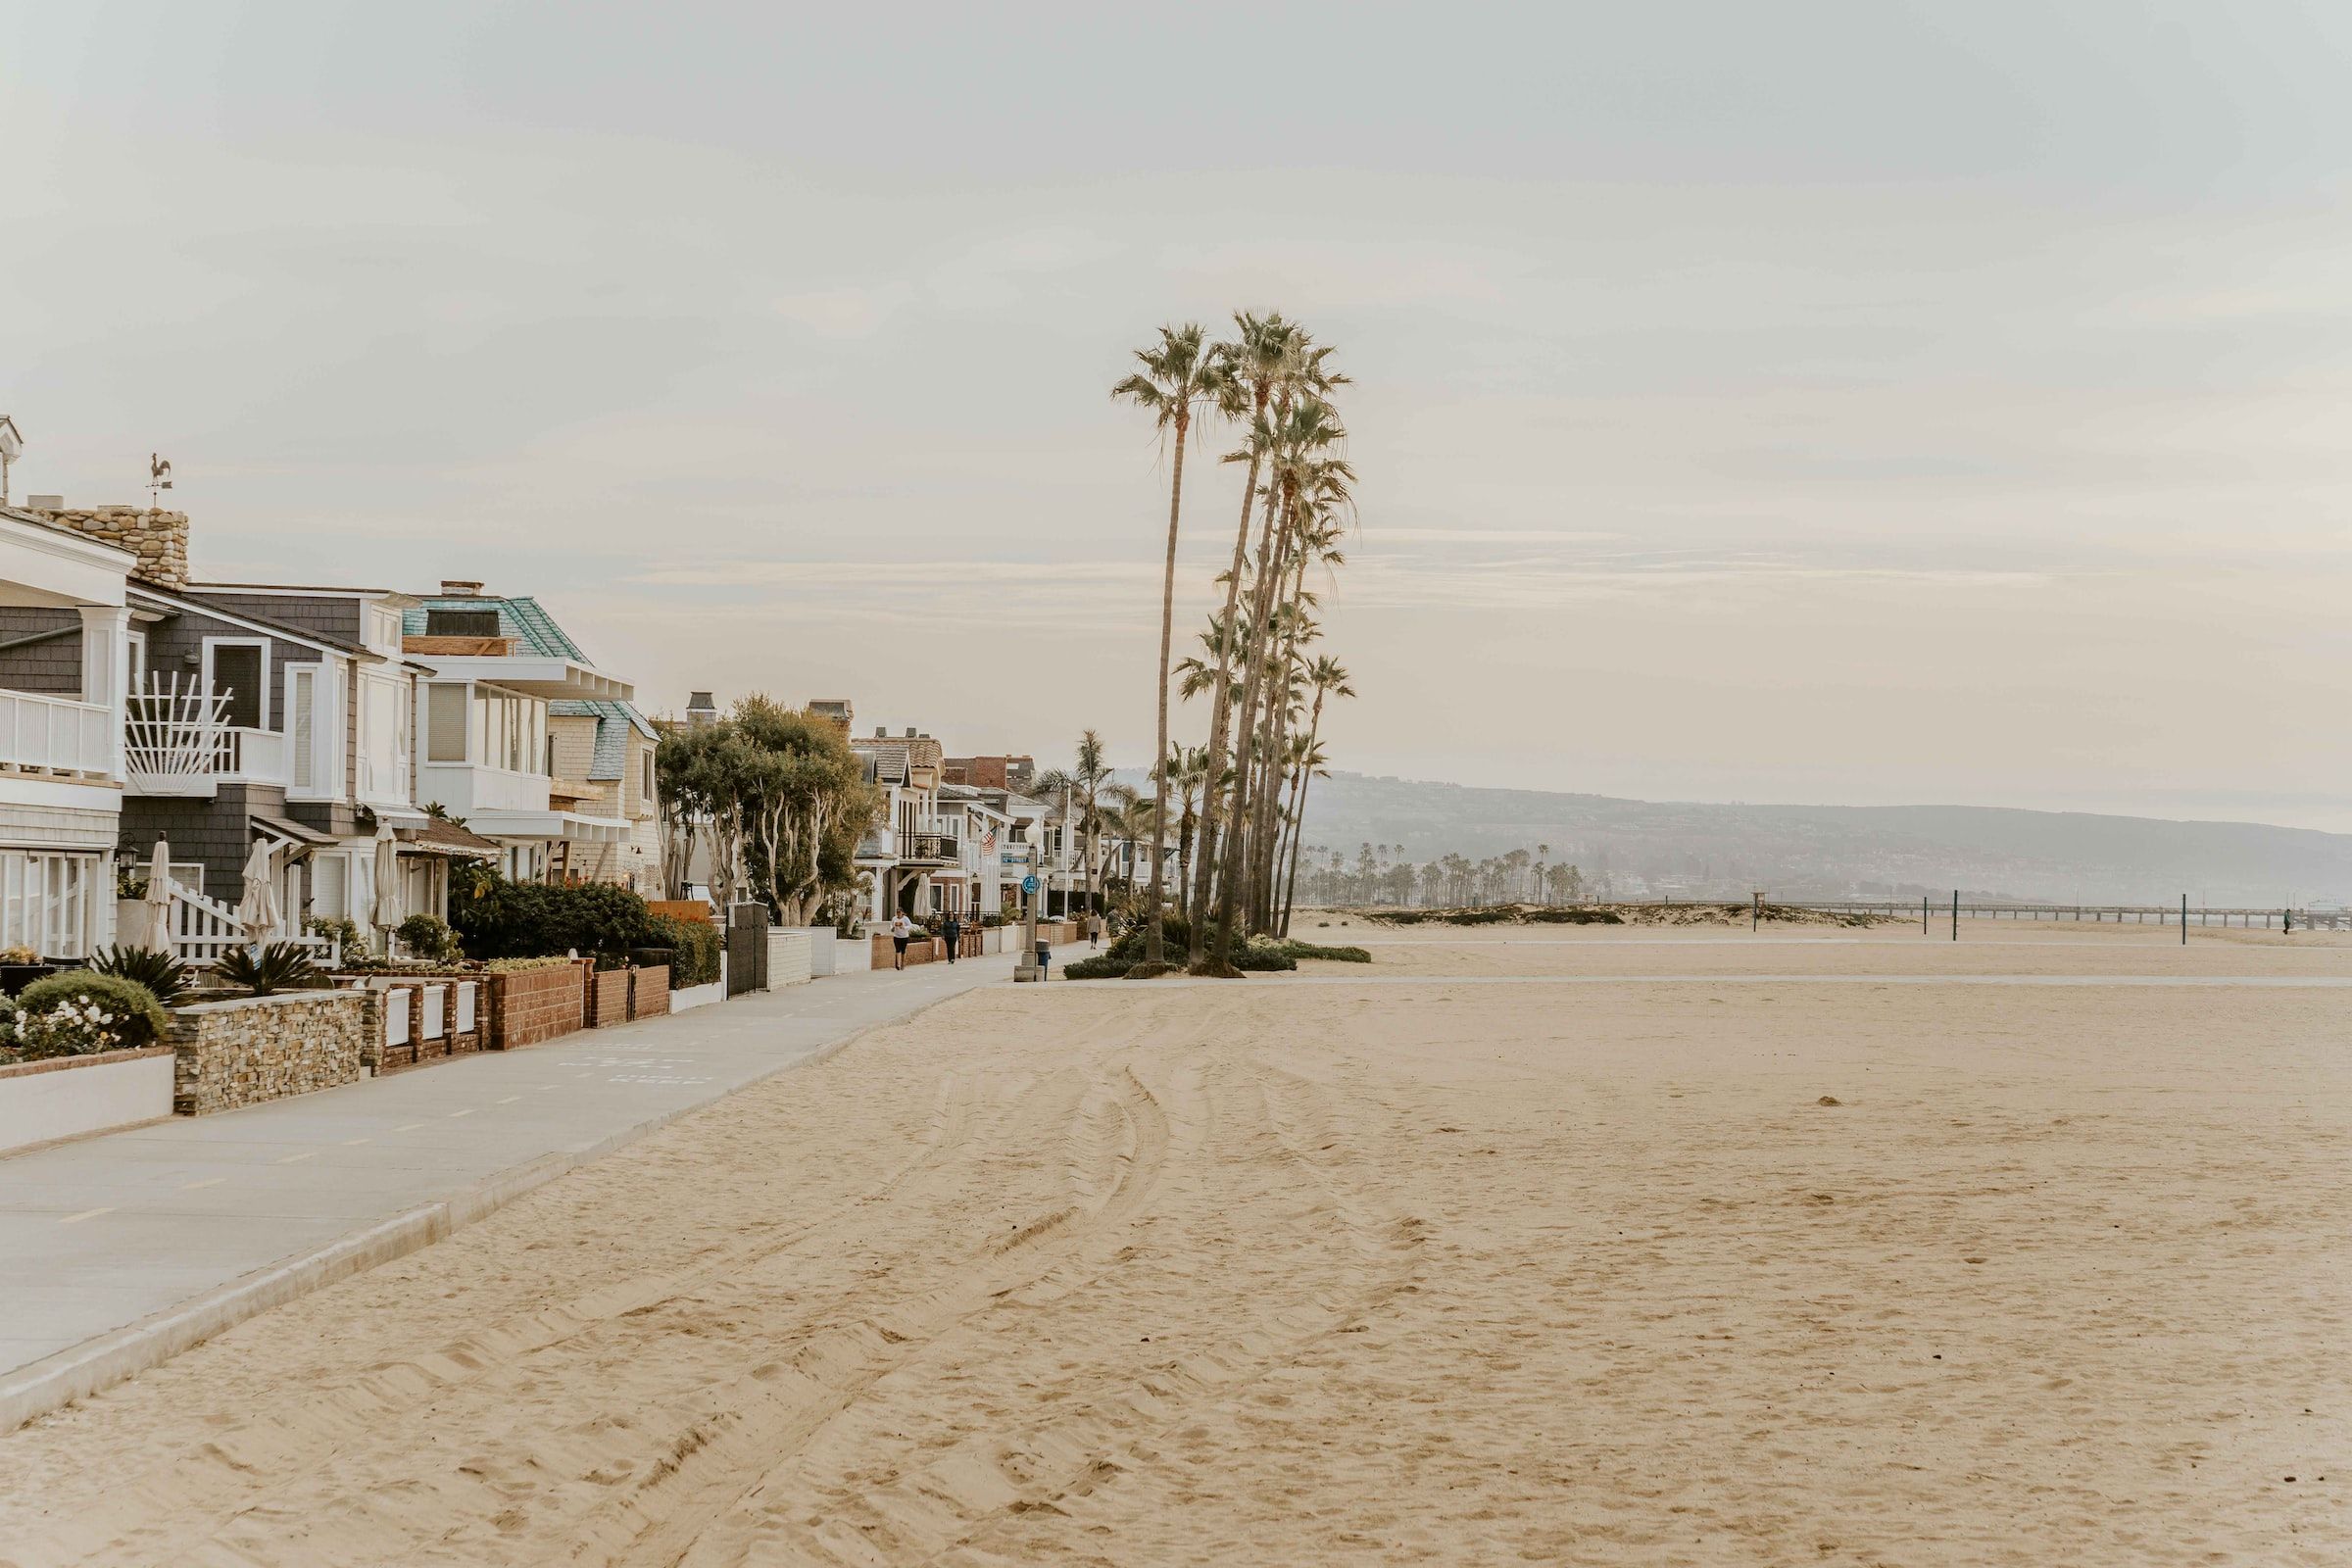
(1187, 768)
(1182, 375)
(1328, 679)
(1082, 786)
(1302, 474)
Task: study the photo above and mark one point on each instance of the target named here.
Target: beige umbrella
(256, 911)
(388, 912)
(157, 934)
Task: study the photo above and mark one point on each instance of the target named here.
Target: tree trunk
(1269, 572)
(1167, 636)
(1220, 711)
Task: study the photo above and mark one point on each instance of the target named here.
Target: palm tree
(1182, 375)
(1328, 677)
(1188, 770)
(1303, 477)
(1082, 786)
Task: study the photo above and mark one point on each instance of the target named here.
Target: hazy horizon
(1883, 405)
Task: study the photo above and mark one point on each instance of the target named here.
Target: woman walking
(900, 930)
(950, 929)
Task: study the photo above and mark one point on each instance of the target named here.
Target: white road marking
(410, 1128)
(209, 1181)
(467, 1111)
(87, 1214)
(307, 1153)
(353, 1143)
(510, 1099)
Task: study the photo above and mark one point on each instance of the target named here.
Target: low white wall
(788, 956)
(703, 995)
(90, 1096)
(852, 954)
(821, 940)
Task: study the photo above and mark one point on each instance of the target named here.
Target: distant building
(991, 773)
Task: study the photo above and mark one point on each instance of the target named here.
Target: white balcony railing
(176, 742)
(465, 788)
(55, 735)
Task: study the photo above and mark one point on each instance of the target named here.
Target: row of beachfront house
(324, 728)
(354, 743)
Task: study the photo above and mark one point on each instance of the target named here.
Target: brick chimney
(160, 539)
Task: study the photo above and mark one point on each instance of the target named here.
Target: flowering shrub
(79, 1013)
(79, 1028)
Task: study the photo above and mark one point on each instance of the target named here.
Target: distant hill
(1688, 848)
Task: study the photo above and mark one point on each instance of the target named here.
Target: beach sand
(1458, 1270)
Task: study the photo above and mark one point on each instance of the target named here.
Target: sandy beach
(1438, 1261)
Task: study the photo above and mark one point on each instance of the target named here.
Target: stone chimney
(835, 710)
(457, 588)
(160, 539)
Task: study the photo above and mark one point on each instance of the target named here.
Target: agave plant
(279, 967)
(158, 972)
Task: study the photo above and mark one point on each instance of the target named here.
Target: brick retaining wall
(607, 1003)
(253, 1049)
(649, 992)
(532, 1005)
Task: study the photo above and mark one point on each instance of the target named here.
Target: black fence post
(1955, 914)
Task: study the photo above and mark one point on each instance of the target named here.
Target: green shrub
(694, 948)
(1100, 966)
(501, 919)
(429, 937)
(521, 966)
(164, 976)
(279, 967)
(1261, 956)
(132, 1016)
(345, 934)
(1310, 950)
(1573, 916)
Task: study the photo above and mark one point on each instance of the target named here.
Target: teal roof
(528, 621)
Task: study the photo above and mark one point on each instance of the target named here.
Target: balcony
(176, 745)
(929, 849)
(55, 735)
(466, 788)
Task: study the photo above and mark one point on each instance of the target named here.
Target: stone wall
(532, 1005)
(253, 1049)
(160, 539)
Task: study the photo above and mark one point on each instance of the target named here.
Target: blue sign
(1028, 884)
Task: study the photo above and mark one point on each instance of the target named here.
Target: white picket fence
(204, 929)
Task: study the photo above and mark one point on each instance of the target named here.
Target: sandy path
(1422, 1273)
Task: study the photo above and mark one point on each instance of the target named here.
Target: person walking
(952, 929)
(901, 930)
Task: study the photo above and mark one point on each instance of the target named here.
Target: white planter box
(788, 958)
(693, 997)
(41, 1102)
(852, 954)
(821, 951)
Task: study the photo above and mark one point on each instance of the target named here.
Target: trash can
(1045, 953)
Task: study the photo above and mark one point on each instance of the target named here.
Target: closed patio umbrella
(256, 911)
(388, 912)
(157, 934)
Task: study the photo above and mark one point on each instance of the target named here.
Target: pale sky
(1862, 403)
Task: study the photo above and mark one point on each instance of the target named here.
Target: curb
(95, 1364)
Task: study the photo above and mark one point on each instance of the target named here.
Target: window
(238, 669)
(648, 786)
(302, 727)
(445, 722)
(45, 901)
(330, 887)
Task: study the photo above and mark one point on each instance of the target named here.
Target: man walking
(952, 929)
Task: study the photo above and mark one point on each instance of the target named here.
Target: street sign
(1029, 884)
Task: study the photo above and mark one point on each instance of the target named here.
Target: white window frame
(261, 685)
(326, 725)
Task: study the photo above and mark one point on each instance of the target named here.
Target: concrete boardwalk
(103, 1234)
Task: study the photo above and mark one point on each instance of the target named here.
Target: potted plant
(21, 966)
